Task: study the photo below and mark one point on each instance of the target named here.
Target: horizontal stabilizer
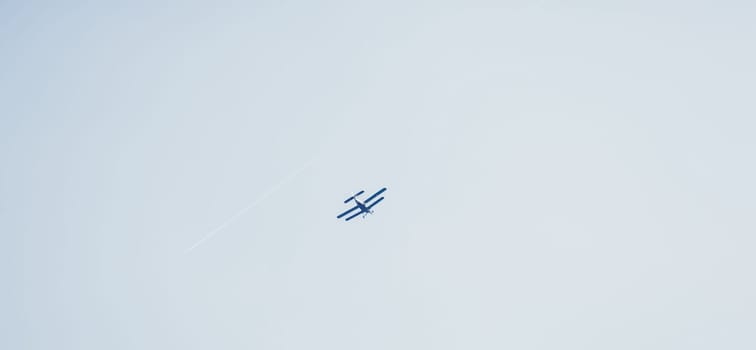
(352, 197)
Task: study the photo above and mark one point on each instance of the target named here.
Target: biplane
(365, 207)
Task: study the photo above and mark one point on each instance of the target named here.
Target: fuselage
(362, 207)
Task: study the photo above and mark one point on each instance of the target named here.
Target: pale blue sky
(561, 175)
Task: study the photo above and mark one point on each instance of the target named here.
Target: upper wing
(375, 195)
(346, 212)
(376, 202)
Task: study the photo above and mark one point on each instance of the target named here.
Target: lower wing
(346, 212)
(374, 203)
(375, 195)
(353, 216)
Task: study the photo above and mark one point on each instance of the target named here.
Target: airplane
(365, 209)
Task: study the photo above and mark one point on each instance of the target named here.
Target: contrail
(257, 201)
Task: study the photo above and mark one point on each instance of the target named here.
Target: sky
(561, 175)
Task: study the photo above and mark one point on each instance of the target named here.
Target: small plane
(364, 207)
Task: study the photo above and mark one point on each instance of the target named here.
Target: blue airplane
(364, 207)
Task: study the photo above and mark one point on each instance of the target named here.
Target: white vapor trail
(257, 201)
